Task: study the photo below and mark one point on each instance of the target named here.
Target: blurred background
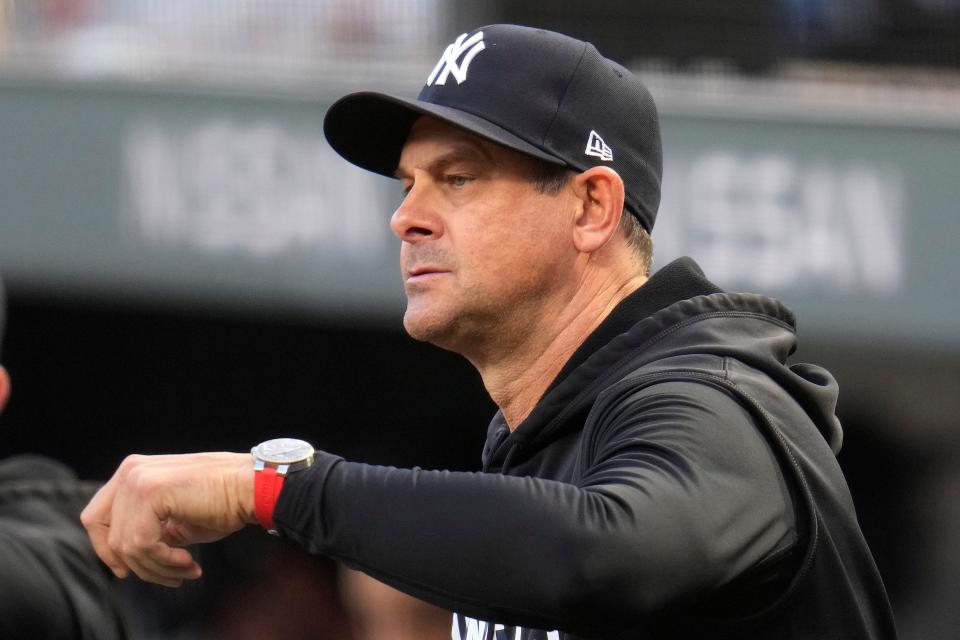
(189, 266)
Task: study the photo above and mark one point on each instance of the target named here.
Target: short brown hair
(549, 178)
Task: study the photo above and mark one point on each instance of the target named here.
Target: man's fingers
(165, 565)
(99, 537)
(153, 559)
(140, 543)
(96, 520)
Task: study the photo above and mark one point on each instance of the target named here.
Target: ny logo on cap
(597, 148)
(448, 61)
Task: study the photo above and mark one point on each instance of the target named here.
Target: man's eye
(458, 181)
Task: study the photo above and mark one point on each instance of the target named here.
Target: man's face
(484, 253)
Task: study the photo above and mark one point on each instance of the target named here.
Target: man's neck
(517, 377)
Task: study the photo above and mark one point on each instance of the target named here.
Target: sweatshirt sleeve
(680, 496)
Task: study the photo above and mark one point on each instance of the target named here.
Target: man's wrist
(273, 461)
(267, 485)
(245, 489)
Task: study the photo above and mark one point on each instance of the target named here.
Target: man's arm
(683, 495)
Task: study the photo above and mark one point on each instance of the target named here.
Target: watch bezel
(290, 452)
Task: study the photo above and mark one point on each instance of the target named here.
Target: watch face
(283, 451)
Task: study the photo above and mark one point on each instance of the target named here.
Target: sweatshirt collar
(681, 279)
(678, 280)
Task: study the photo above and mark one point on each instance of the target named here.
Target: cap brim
(369, 129)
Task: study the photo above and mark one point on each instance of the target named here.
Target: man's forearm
(519, 550)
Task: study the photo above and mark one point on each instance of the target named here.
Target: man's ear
(601, 193)
(4, 387)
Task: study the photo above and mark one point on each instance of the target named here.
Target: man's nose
(416, 218)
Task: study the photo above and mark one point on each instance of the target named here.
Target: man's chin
(429, 327)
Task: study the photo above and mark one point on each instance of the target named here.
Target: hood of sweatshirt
(676, 312)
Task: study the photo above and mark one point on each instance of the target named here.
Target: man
(51, 583)
(655, 469)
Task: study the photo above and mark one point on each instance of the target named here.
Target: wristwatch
(274, 460)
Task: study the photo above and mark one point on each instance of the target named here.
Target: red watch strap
(267, 485)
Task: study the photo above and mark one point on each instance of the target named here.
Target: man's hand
(155, 505)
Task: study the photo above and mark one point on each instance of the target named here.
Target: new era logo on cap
(597, 148)
(468, 48)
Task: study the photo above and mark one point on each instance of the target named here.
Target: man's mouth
(424, 272)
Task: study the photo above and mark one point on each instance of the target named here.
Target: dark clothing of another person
(52, 585)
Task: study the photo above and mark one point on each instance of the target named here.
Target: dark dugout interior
(94, 381)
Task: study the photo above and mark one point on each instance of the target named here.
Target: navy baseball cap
(541, 93)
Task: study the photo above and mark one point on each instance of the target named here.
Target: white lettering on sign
(257, 189)
(773, 222)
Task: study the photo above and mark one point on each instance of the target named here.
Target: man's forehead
(448, 140)
(437, 139)
(429, 128)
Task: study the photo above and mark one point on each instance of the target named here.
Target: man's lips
(422, 272)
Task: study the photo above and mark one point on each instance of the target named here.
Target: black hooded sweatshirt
(678, 479)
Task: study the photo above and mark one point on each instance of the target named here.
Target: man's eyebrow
(463, 150)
